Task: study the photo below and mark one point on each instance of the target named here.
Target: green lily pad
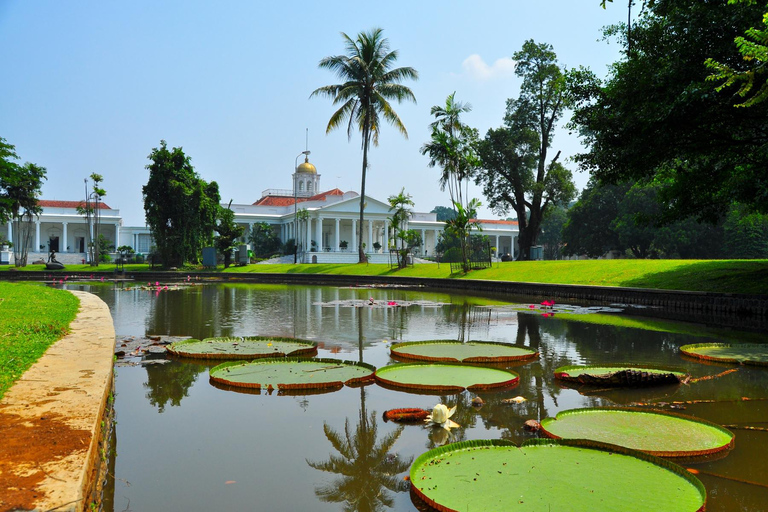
(449, 351)
(557, 475)
(444, 378)
(657, 433)
(292, 374)
(744, 353)
(623, 375)
(251, 347)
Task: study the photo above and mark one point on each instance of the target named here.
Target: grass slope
(725, 276)
(32, 318)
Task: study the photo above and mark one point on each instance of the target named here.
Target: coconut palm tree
(369, 84)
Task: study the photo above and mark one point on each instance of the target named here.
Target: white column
(337, 241)
(319, 234)
(423, 240)
(386, 236)
(64, 233)
(117, 235)
(309, 235)
(497, 246)
(437, 237)
(10, 231)
(370, 235)
(37, 236)
(354, 235)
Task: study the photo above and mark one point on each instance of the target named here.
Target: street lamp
(295, 220)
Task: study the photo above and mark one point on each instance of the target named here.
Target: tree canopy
(658, 119)
(181, 208)
(517, 172)
(369, 84)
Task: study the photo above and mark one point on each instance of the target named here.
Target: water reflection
(367, 468)
(276, 447)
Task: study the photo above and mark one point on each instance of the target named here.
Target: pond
(182, 444)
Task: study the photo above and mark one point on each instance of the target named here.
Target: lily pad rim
(621, 366)
(285, 360)
(657, 453)
(304, 347)
(575, 443)
(394, 350)
(439, 388)
(688, 351)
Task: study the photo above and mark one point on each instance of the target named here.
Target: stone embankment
(53, 420)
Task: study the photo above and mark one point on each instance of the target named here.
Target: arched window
(301, 186)
(309, 187)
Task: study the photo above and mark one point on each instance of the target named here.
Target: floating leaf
(251, 347)
(572, 475)
(623, 375)
(657, 433)
(444, 378)
(450, 351)
(743, 353)
(292, 374)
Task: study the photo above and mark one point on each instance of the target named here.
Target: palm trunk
(360, 251)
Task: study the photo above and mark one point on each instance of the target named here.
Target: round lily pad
(743, 353)
(657, 433)
(450, 351)
(623, 375)
(292, 374)
(557, 475)
(444, 378)
(251, 347)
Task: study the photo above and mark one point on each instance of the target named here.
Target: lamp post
(295, 220)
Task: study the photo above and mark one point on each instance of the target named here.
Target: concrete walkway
(52, 419)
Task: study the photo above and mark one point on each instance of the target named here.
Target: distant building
(327, 234)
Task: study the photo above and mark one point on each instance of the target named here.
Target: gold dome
(306, 167)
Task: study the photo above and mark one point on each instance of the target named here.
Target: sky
(93, 86)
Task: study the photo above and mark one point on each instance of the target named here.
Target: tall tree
(517, 172)
(369, 84)
(181, 208)
(20, 188)
(657, 119)
(401, 206)
(444, 213)
(228, 233)
(91, 210)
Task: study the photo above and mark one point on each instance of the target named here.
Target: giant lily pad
(292, 374)
(623, 375)
(543, 475)
(444, 378)
(744, 353)
(657, 433)
(251, 347)
(449, 351)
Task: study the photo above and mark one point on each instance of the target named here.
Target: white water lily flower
(441, 417)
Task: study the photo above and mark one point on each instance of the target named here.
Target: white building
(326, 233)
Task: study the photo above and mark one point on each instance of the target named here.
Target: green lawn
(32, 318)
(728, 276)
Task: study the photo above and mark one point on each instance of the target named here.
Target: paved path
(51, 419)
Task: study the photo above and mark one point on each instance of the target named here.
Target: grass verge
(32, 318)
(724, 276)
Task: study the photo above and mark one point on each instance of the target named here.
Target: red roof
(45, 203)
(288, 200)
(494, 221)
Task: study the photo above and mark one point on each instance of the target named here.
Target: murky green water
(181, 444)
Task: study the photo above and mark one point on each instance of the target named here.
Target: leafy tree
(516, 170)
(264, 240)
(551, 237)
(104, 248)
(369, 84)
(460, 228)
(181, 208)
(746, 235)
(657, 119)
(401, 208)
(452, 147)
(229, 233)
(444, 213)
(20, 187)
(588, 229)
(752, 73)
(92, 213)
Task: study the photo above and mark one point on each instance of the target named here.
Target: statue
(53, 264)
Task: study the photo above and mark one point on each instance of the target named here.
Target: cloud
(476, 68)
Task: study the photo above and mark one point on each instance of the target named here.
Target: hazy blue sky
(93, 86)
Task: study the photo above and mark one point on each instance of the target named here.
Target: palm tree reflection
(368, 470)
